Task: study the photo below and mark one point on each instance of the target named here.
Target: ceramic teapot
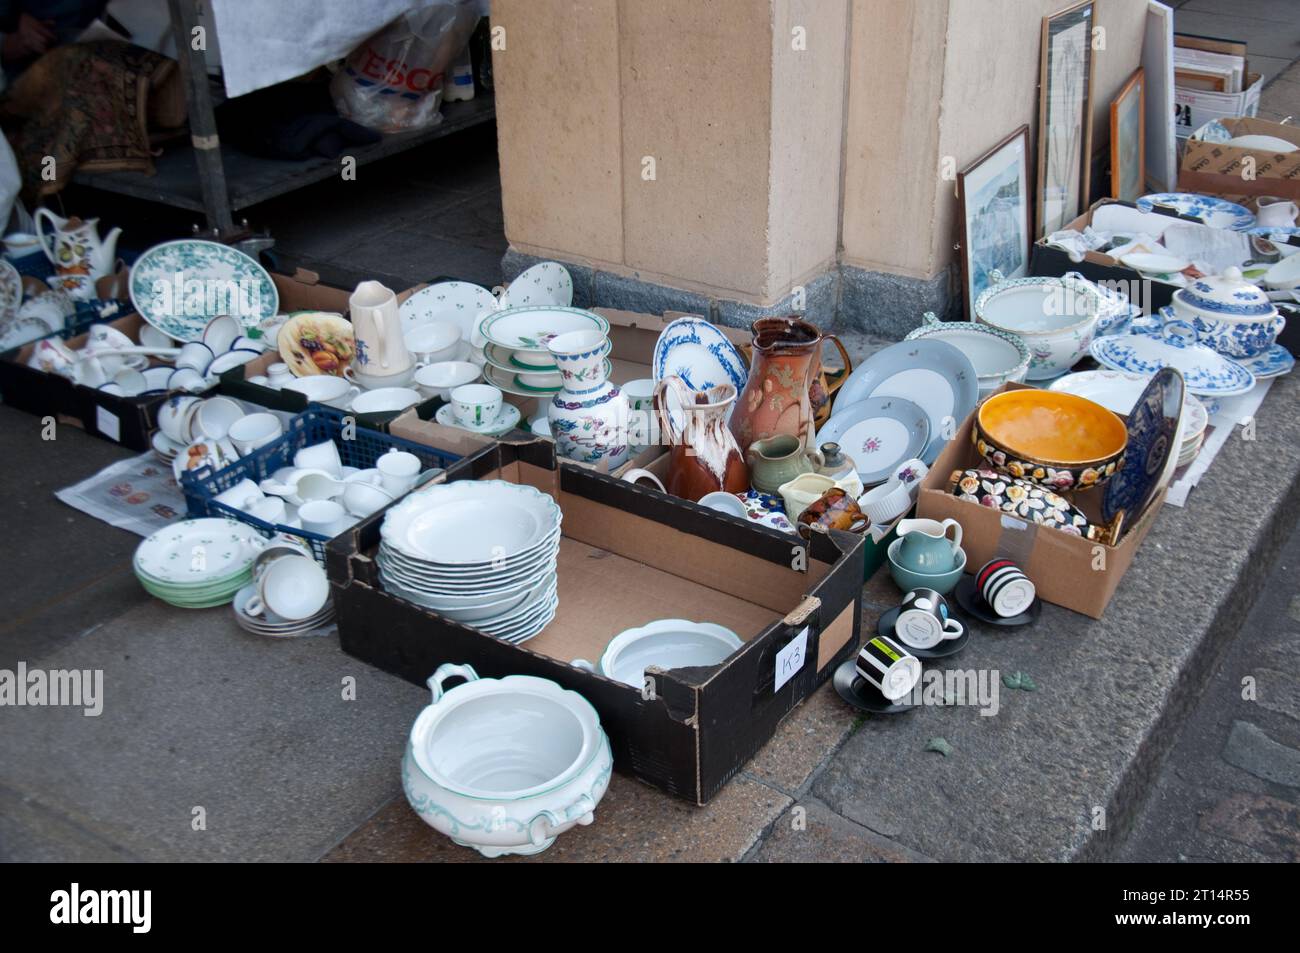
(925, 546)
(381, 347)
(704, 457)
(74, 246)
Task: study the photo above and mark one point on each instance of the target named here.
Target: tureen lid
(1228, 293)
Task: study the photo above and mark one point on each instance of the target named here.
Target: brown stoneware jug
(704, 456)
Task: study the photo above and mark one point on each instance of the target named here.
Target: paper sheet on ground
(1230, 412)
(138, 494)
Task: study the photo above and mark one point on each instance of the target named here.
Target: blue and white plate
(932, 374)
(1279, 235)
(698, 353)
(1207, 373)
(878, 433)
(1274, 362)
(1152, 437)
(180, 286)
(1215, 212)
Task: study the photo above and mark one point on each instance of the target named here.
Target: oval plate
(911, 370)
(879, 433)
(252, 297)
(1206, 373)
(700, 354)
(1217, 213)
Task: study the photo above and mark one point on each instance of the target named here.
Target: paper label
(108, 424)
(791, 658)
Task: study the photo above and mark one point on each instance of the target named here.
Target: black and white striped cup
(888, 666)
(1004, 587)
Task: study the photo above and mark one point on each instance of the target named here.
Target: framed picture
(1128, 144)
(993, 203)
(1065, 117)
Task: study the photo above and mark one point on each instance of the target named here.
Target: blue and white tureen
(1229, 314)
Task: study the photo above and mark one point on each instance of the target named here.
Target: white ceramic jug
(74, 246)
(381, 348)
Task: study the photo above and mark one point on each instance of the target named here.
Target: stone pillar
(683, 154)
(735, 158)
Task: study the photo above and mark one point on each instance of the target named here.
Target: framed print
(993, 204)
(1128, 140)
(1065, 117)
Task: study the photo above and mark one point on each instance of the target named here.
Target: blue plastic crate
(312, 426)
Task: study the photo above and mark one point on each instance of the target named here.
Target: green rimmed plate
(529, 329)
(179, 286)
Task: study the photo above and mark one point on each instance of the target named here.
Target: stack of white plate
(482, 553)
(1195, 419)
(196, 564)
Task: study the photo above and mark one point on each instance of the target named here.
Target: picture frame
(993, 197)
(1128, 139)
(1065, 116)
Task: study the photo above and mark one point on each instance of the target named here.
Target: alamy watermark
(58, 687)
(205, 296)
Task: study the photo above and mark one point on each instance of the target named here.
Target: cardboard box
(1148, 294)
(303, 291)
(1195, 107)
(129, 421)
(1067, 570)
(628, 557)
(1239, 175)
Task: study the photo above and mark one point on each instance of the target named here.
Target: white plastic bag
(392, 82)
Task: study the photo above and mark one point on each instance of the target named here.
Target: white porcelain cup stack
(482, 553)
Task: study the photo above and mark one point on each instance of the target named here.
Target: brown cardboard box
(626, 558)
(1068, 570)
(1238, 175)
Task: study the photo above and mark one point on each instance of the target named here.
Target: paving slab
(1033, 781)
(200, 714)
(810, 832)
(635, 823)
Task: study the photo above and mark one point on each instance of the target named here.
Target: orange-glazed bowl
(1056, 440)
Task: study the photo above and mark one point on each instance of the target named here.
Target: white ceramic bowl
(440, 379)
(997, 356)
(665, 644)
(505, 765)
(435, 342)
(386, 400)
(1055, 317)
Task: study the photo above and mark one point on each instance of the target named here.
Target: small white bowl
(440, 379)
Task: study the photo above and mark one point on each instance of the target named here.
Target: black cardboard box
(628, 557)
(129, 421)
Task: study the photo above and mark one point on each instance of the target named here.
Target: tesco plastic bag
(392, 82)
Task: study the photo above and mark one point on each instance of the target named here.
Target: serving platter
(1206, 373)
(225, 276)
(700, 354)
(1218, 213)
(1153, 428)
(878, 433)
(932, 374)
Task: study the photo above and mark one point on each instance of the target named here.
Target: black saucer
(971, 601)
(861, 694)
(885, 627)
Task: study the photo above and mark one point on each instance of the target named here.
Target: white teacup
(476, 405)
(174, 417)
(195, 354)
(271, 509)
(362, 499)
(242, 495)
(398, 471)
(215, 417)
(220, 333)
(323, 517)
(188, 380)
(254, 430)
(292, 587)
(52, 356)
(132, 382)
(320, 456)
(278, 374)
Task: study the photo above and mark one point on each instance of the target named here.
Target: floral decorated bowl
(1029, 502)
(1229, 314)
(1050, 438)
(1055, 317)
